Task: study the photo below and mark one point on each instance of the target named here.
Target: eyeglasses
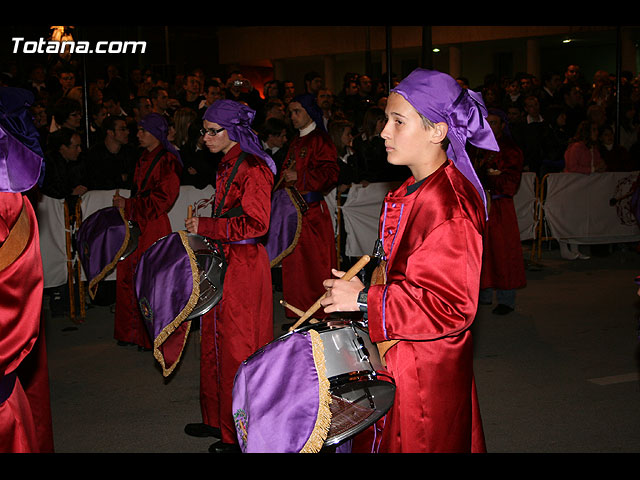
(210, 131)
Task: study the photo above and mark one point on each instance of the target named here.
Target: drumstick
(275, 187)
(190, 211)
(347, 276)
(295, 310)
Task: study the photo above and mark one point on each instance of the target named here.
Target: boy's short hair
(429, 124)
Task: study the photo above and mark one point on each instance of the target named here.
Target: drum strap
(17, 240)
(226, 190)
(134, 189)
(236, 211)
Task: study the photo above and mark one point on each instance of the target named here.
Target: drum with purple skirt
(314, 387)
(361, 390)
(177, 279)
(103, 239)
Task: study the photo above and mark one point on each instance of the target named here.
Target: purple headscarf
(156, 125)
(439, 98)
(310, 105)
(236, 119)
(20, 152)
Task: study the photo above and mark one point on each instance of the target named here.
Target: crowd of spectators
(562, 121)
(91, 143)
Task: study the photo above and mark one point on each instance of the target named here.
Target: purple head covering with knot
(156, 125)
(439, 98)
(20, 152)
(236, 118)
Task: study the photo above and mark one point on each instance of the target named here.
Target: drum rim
(376, 415)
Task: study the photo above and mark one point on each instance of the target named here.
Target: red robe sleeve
(251, 189)
(436, 294)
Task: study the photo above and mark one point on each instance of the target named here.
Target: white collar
(308, 129)
(267, 147)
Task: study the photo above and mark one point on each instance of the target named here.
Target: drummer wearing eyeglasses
(242, 321)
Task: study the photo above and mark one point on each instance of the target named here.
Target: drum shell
(134, 235)
(347, 349)
(211, 268)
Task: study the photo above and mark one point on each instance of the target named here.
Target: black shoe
(502, 309)
(202, 430)
(122, 343)
(220, 447)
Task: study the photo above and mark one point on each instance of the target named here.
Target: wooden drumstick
(347, 276)
(295, 310)
(190, 211)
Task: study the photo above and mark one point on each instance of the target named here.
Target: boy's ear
(439, 132)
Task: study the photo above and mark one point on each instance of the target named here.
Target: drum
(362, 392)
(211, 268)
(103, 239)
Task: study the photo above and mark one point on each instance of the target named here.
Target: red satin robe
(242, 321)
(311, 261)
(433, 242)
(150, 212)
(25, 421)
(502, 262)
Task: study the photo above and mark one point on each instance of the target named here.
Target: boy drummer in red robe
(431, 230)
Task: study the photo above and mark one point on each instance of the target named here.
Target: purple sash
(102, 239)
(281, 398)
(246, 241)
(167, 288)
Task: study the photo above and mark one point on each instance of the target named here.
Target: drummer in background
(431, 231)
(242, 321)
(156, 185)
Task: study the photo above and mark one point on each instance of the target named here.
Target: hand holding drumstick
(342, 294)
(118, 201)
(328, 300)
(191, 222)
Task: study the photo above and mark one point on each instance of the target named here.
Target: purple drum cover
(284, 226)
(101, 240)
(278, 408)
(167, 288)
